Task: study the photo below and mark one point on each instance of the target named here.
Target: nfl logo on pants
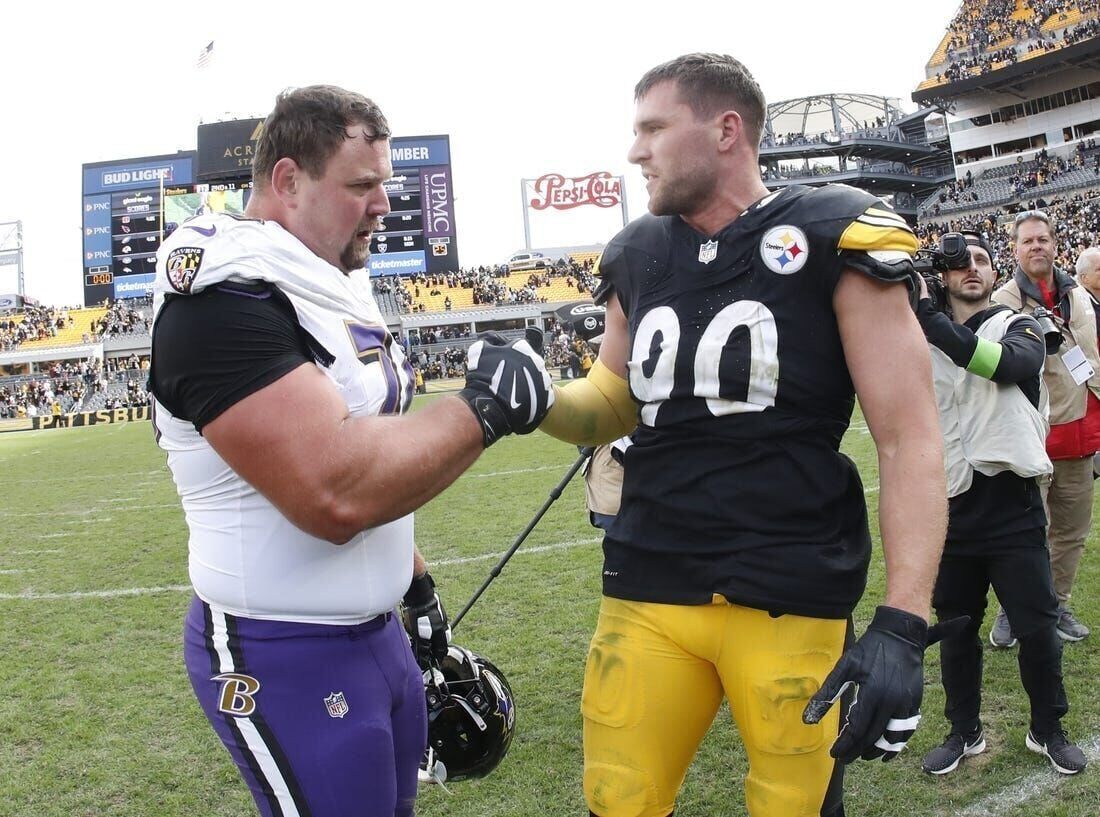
(336, 705)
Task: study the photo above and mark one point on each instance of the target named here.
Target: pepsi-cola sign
(599, 189)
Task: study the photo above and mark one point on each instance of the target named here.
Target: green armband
(984, 361)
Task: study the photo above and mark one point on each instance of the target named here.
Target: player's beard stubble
(355, 254)
(682, 193)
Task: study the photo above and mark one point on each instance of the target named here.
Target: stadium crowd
(75, 385)
(1076, 216)
(1036, 177)
(980, 30)
(125, 317)
(488, 284)
(34, 323)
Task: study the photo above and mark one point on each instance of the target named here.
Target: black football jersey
(735, 484)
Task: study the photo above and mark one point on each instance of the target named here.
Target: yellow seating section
(461, 297)
(939, 57)
(69, 336)
(1055, 21)
(581, 257)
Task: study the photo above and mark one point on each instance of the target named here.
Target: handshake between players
(507, 385)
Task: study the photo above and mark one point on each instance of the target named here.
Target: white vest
(245, 557)
(987, 427)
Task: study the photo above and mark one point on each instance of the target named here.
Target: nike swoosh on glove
(507, 385)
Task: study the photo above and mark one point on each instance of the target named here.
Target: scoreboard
(131, 205)
(123, 222)
(419, 233)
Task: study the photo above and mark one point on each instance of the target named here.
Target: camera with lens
(952, 253)
(1047, 321)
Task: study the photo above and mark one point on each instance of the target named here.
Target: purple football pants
(322, 720)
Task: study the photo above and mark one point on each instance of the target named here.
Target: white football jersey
(245, 557)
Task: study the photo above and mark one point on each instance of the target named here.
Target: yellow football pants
(655, 677)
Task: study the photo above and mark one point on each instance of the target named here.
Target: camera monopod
(554, 494)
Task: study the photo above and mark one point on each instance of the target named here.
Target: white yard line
(37, 552)
(30, 595)
(96, 478)
(562, 468)
(89, 511)
(1033, 786)
(536, 549)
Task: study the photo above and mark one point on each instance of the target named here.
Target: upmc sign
(418, 235)
(226, 149)
(599, 189)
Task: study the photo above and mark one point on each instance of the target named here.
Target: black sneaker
(1069, 628)
(1064, 756)
(946, 758)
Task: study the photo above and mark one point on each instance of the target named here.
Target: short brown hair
(710, 84)
(309, 124)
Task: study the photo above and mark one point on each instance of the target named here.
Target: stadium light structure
(11, 252)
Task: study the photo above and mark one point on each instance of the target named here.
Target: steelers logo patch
(182, 267)
(784, 249)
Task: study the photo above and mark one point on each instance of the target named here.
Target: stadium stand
(49, 327)
(989, 35)
(858, 139)
(1046, 175)
(485, 288)
(1076, 216)
(75, 385)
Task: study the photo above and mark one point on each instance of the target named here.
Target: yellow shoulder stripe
(876, 211)
(865, 237)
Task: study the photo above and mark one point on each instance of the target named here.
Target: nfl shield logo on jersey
(336, 705)
(708, 252)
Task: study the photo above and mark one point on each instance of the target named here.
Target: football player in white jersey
(279, 398)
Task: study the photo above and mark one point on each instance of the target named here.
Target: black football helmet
(471, 717)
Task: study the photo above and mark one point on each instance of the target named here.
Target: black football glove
(887, 665)
(507, 385)
(426, 622)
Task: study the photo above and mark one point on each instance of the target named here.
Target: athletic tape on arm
(592, 410)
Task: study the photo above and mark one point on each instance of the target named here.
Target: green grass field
(97, 716)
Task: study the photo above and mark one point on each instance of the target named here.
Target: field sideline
(97, 716)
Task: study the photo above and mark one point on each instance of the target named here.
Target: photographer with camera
(1072, 378)
(987, 364)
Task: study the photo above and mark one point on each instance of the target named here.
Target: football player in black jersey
(740, 326)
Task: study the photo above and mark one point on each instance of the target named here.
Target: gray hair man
(1072, 377)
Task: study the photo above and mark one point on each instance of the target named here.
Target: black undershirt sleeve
(1022, 347)
(953, 339)
(213, 349)
(1023, 351)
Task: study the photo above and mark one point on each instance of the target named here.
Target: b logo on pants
(237, 695)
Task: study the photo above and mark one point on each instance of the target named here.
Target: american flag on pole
(205, 55)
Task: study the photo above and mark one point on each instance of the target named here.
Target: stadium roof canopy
(829, 113)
